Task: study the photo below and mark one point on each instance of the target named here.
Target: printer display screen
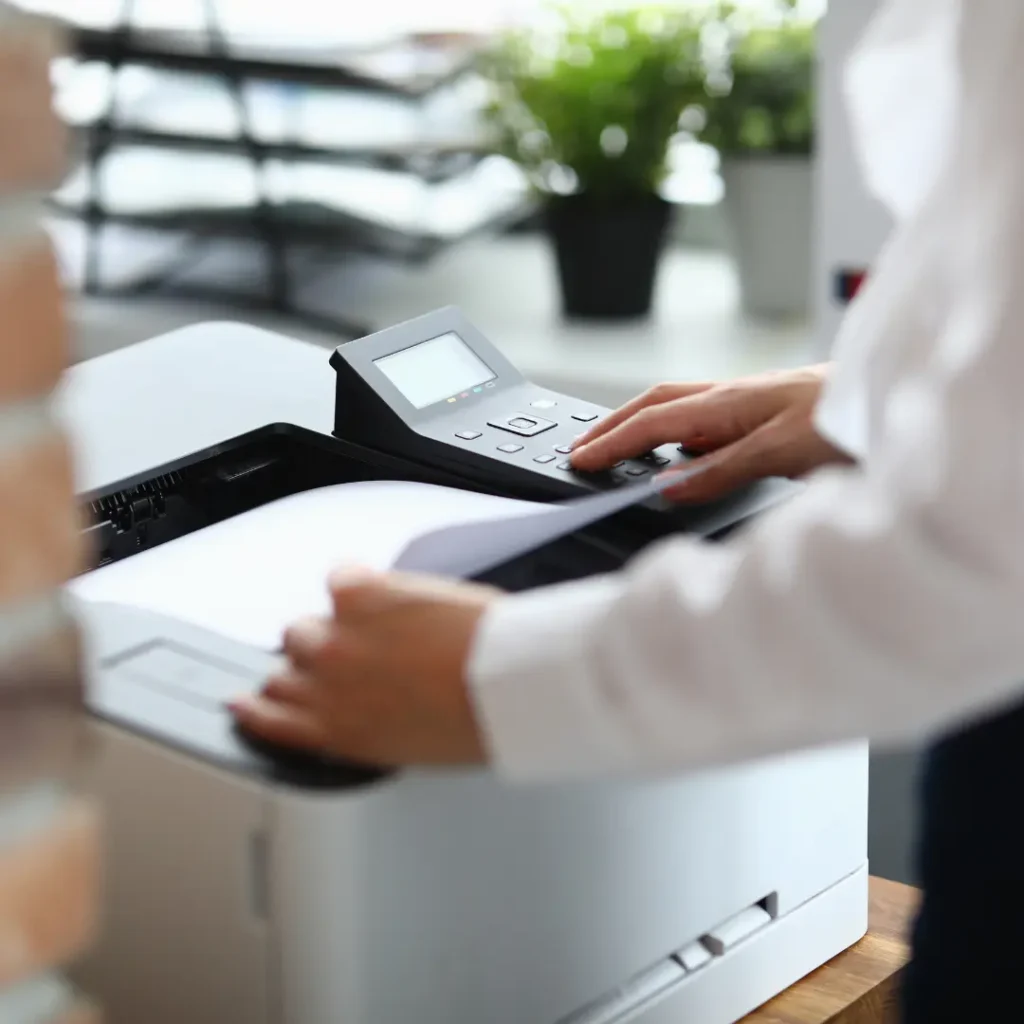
(433, 371)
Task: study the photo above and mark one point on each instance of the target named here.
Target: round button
(544, 403)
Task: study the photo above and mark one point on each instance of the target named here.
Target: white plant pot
(769, 215)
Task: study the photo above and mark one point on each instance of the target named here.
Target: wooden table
(860, 986)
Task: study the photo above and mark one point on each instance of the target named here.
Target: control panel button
(525, 426)
(564, 449)
(544, 403)
(469, 435)
(544, 459)
(565, 465)
(660, 460)
(510, 449)
(637, 471)
(585, 417)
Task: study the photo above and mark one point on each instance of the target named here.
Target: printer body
(244, 884)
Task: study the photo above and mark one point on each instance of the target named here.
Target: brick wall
(48, 834)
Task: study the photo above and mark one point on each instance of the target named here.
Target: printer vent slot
(621, 1004)
(632, 995)
(729, 934)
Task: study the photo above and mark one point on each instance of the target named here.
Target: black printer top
(160, 401)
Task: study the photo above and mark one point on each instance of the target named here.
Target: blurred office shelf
(307, 146)
(374, 146)
(433, 138)
(399, 215)
(412, 67)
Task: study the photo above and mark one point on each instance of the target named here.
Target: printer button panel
(523, 425)
(540, 437)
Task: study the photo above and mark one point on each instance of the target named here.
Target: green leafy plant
(590, 104)
(760, 88)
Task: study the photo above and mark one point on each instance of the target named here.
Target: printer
(254, 885)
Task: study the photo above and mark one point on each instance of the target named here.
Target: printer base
(450, 898)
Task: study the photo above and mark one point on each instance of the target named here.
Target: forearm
(823, 624)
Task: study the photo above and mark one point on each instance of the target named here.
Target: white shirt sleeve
(884, 602)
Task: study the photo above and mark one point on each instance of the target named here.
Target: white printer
(248, 885)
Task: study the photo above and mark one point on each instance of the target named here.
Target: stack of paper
(250, 576)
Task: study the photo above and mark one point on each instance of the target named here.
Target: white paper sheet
(251, 576)
(468, 549)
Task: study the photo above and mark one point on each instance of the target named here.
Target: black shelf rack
(277, 229)
(181, 51)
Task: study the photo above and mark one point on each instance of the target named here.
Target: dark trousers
(968, 962)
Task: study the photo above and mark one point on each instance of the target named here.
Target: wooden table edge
(861, 985)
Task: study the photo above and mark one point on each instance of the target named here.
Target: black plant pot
(607, 254)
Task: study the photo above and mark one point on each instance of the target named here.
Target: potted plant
(760, 116)
(588, 106)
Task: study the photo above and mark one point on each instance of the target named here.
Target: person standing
(885, 601)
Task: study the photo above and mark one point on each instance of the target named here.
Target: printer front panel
(454, 897)
(186, 934)
(441, 897)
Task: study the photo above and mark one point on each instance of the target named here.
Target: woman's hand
(383, 680)
(744, 430)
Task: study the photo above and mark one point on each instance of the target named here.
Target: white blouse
(883, 602)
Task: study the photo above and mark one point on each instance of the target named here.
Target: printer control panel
(436, 388)
(545, 441)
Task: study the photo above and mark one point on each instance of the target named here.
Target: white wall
(851, 224)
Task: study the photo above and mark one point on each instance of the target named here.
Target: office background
(321, 170)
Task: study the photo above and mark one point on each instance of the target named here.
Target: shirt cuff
(534, 690)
